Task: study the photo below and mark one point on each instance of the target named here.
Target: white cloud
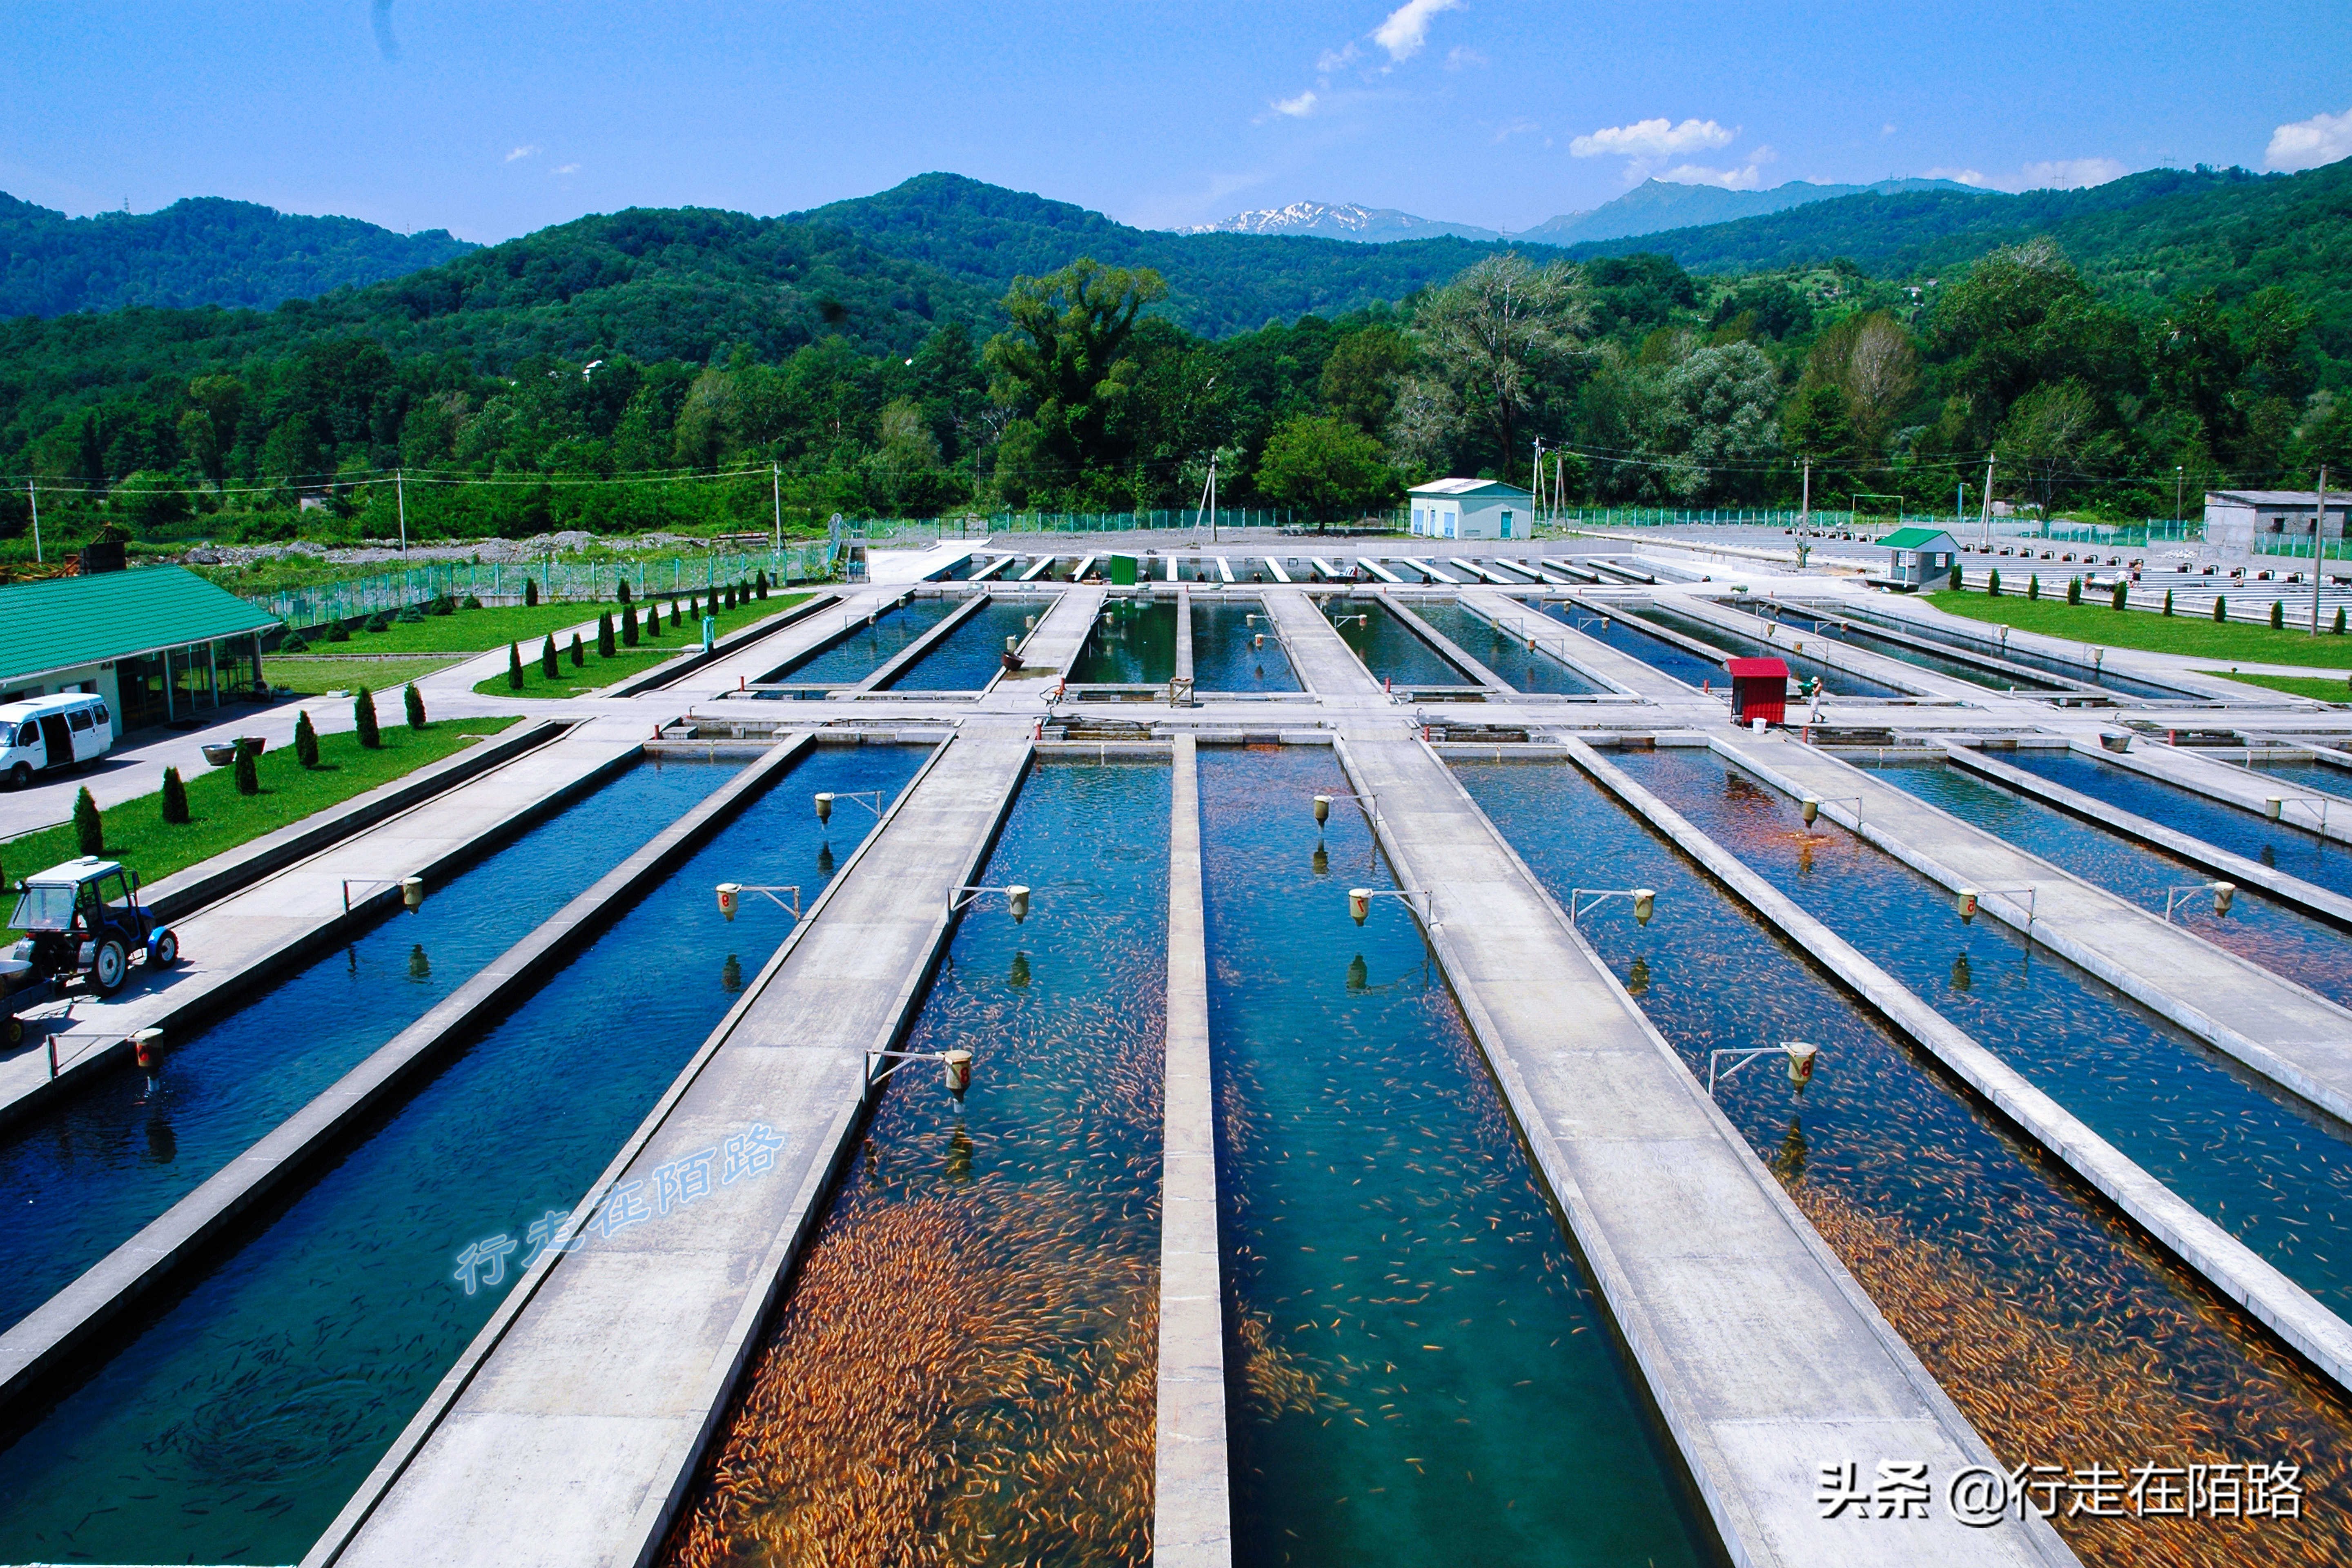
(1964, 176)
(2070, 174)
(1407, 27)
(2307, 143)
(1652, 138)
(1887, 128)
(568, 169)
(1337, 59)
(1746, 178)
(532, 151)
(1515, 128)
(1297, 107)
(1461, 58)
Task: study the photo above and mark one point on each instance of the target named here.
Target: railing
(931, 530)
(2294, 548)
(502, 581)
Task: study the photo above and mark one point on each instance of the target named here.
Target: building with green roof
(1919, 556)
(159, 644)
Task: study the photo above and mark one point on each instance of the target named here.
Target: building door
(1506, 526)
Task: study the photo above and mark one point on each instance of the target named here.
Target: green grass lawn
(478, 631)
(2193, 634)
(313, 675)
(593, 675)
(2323, 688)
(220, 818)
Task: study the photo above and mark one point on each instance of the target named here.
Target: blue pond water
(1804, 666)
(1031, 1212)
(1392, 650)
(1224, 656)
(2305, 775)
(1973, 1244)
(2279, 938)
(2083, 669)
(973, 653)
(2246, 833)
(1628, 638)
(2271, 1172)
(867, 648)
(1416, 1369)
(1854, 636)
(237, 1419)
(1524, 669)
(1133, 643)
(83, 1177)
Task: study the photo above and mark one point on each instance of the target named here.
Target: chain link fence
(501, 583)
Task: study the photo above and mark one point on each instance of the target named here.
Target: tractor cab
(85, 918)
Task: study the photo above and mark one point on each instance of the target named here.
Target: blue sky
(491, 119)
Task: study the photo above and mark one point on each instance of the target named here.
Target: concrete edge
(907, 657)
(181, 894)
(1184, 669)
(2221, 1259)
(1739, 1532)
(1558, 650)
(67, 1321)
(2336, 1102)
(1884, 668)
(1191, 1502)
(2293, 891)
(1446, 648)
(670, 670)
(356, 1513)
(2133, 762)
(1617, 611)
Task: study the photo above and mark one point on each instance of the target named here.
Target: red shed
(1760, 689)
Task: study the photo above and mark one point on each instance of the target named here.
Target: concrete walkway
(2292, 1035)
(1838, 655)
(569, 1432)
(1765, 1357)
(2242, 787)
(1319, 655)
(1589, 655)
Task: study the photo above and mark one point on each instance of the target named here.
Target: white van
(44, 734)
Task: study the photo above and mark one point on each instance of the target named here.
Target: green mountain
(202, 251)
(1655, 206)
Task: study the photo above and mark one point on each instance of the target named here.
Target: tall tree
(1065, 363)
(1495, 333)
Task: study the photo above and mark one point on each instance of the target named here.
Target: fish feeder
(1016, 900)
(870, 799)
(1800, 1056)
(1810, 809)
(731, 898)
(1582, 902)
(2224, 895)
(2274, 807)
(956, 1066)
(1360, 901)
(147, 1044)
(1968, 905)
(412, 889)
(1323, 807)
(1971, 898)
(1760, 691)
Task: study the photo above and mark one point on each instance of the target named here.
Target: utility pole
(1987, 504)
(2319, 547)
(776, 483)
(1535, 475)
(1805, 504)
(35, 497)
(400, 491)
(1209, 499)
(2180, 478)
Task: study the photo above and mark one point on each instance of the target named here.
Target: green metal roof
(68, 621)
(1912, 538)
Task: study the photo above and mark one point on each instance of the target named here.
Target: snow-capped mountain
(1343, 220)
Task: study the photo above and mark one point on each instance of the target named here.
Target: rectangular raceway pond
(2306, 775)
(869, 643)
(1395, 653)
(1854, 636)
(973, 653)
(2320, 862)
(1670, 659)
(1418, 1370)
(1133, 643)
(2082, 670)
(1804, 666)
(2272, 1171)
(964, 1364)
(2281, 938)
(1525, 668)
(238, 1417)
(88, 1170)
(2064, 1335)
(1236, 649)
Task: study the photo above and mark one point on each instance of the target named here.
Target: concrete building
(1472, 509)
(2234, 519)
(1918, 557)
(159, 644)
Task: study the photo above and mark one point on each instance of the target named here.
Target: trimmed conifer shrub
(1959, 582)
(411, 703)
(629, 625)
(175, 798)
(2074, 590)
(530, 592)
(2339, 620)
(2121, 596)
(249, 776)
(306, 739)
(89, 828)
(623, 594)
(363, 719)
(1992, 584)
(579, 656)
(759, 582)
(547, 657)
(514, 667)
(653, 621)
(2278, 615)
(2167, 601)
(2034, 588)
(605, 635)
(2221, 608)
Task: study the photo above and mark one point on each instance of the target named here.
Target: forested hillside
(202, 251)
(2112, 350)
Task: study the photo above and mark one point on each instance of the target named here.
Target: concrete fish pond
(1284, 1050)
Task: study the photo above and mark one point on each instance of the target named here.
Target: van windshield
(44, 908)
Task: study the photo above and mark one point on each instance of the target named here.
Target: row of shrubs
(2119, 598)
(300, 640)
(629, 631)
(90, 825)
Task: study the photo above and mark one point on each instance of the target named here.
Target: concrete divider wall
(67, 1324)
(2221, 1259)
(672, 670)
(907, 657)
(1191, 1506)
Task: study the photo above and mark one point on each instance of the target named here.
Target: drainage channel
(1235, 648)
(89, 1170)
(2065, 1336)
(1837, 682)
(2284, 940)
(964, 1367)
(1526, 666)
(1667, 658)
(866, 644)
(1417, 1368)
(2225, 827)
(1391, 650)
(2275, 1172)
(1133, 643)
(242, 1413)
(973, 653)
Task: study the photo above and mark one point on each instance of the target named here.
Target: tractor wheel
(110, 967)
(15, 1032)
(166, 951)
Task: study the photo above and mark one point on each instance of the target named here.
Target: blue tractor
(84, 919)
